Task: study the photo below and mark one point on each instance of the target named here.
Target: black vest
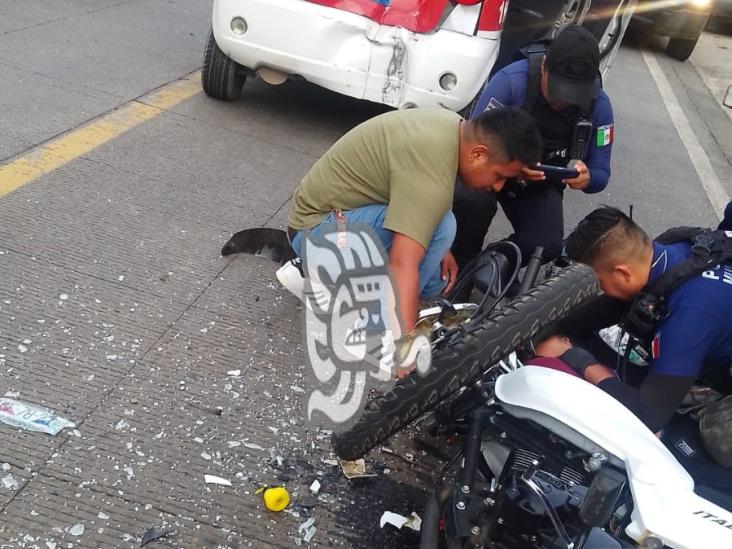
(556, 130)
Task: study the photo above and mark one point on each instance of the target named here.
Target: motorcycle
(547, 460)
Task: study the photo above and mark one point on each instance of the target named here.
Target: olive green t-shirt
(407, 159)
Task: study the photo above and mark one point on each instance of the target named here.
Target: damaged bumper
(353, 55)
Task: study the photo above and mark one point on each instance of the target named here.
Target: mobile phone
(557, 172)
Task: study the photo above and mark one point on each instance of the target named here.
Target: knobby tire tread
(463, 362)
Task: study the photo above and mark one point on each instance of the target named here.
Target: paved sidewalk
(117, 311)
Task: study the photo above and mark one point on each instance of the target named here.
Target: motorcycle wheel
(457, 364)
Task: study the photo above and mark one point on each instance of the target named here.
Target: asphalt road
(117, 311)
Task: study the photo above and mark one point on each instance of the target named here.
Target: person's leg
(297, 240)
(430, 282)
(474, 211)
(537, 219)
(374, 216)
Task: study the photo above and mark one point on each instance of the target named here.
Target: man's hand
(448, 271)
(582, 180)
(527, 174)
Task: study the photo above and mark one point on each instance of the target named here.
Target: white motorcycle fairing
(665, 504)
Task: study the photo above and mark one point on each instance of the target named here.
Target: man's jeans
(430, 282)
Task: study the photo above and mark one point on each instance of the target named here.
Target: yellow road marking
(47, 157)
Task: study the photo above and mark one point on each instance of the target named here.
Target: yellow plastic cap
(276, 499)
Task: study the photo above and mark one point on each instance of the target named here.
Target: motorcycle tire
(457, 364)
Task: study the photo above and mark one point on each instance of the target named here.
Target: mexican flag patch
(604, 135)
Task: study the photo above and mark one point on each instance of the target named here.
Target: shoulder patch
(604, 135)
(493, 104)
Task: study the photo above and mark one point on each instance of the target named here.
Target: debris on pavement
(413, 521)
(30, 417)
(276, 498)
(309, 534)
(252, 446)
(315, 486)
(152, 534)
(233, 373)
(9, 482)
(355, 469)
(409, 458)
(307, 502)
(212, 479)
(77, 530)
(307, 530)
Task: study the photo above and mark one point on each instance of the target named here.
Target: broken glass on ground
(212, 479)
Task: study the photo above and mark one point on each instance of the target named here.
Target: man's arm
(655, 401)
(679, 349)
(598, 155)
(404, 259)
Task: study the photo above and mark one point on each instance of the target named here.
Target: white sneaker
(292, 278)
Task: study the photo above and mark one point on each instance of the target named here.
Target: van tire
(221, 77)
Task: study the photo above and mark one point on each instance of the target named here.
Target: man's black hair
(603, 232)
(514, 131)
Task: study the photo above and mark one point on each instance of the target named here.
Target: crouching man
(396, 173)
(651, 287)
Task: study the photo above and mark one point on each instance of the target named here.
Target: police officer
(690, 332)
(560, 88)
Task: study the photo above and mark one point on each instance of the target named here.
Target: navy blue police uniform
(693, 342)
(534, 209)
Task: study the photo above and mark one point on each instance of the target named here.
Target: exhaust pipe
(271, 76)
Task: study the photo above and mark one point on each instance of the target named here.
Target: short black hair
(605, 234)
(513, 132)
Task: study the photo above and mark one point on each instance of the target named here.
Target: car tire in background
(221, 77)
(681, 49)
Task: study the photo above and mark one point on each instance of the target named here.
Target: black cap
(573, 62)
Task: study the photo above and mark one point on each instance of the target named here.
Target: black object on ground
(152, 534)
(272, 244)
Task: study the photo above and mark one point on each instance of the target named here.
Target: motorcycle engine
(522, 519)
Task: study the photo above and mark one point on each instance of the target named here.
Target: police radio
(643, 316)
(649, 309)
(581, 138)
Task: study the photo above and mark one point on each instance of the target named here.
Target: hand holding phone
(557, 173)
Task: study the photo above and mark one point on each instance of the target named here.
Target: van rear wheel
(681, 49)
(221, 77)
